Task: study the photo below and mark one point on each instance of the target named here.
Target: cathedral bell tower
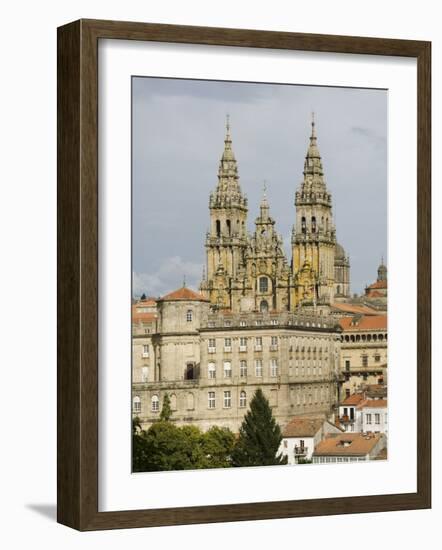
(313, 235)
(226, 241)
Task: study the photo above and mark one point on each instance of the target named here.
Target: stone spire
(228, 192)
(264, 206)
(382, 271)
(313, 170)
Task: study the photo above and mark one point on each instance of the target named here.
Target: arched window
(263, 284)
(189, 315)
(313, 224)
(263, 306)
(173, 402)
(338, 290)
(303, 226)
(243, 399)
(326, 224)
(229, 228)
(155, 402)
(136, 404)
(218, 228)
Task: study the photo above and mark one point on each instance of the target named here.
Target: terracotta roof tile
(378, 284)
(354, 308)
(346, 444)
(373, 404)
(353, 399)
(184, 294)
(365, 322)
(303, 426)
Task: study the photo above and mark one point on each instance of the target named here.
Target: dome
(339, 252)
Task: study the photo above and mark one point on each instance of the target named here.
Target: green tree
(259, 436)
(218, 444)
(166, 410)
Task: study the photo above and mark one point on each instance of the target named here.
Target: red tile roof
(302, 426)
(346, 444)
(354, 308)
(378, 284)
(144, 317)
(373, 404)
(365, 322)
(353, 399)
(184, 294)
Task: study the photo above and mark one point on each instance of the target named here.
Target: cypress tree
(166, 410)
(259, 436)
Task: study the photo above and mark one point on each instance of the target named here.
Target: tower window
(189, 315)
(263, 284)
(229, 229)
(313, 224)
(303, 226)
(218, 228)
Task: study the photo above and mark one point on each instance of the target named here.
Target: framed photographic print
(239, 214)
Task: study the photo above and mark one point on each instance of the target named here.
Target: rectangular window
(211, 345)
(274, 343)
(243, 344)
(368, 418)
(347, 364)
(227, 344)
(211, 399)
(377, 357)
(258, 343)
(258, 367)
(145, 350)
(365, 360)
(227, 399)
(263, 284)
(144, 374)
(377, 418)
(227, 369)
(242, 369)
(273, 367)
(211, 370)
(189, 315)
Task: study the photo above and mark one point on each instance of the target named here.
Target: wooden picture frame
(77, 226)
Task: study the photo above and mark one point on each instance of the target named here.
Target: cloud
(168, 277)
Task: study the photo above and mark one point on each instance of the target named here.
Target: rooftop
(373, 404)
(353, 399)
(184, 294)
(303, 426)
(363, 322)
(347, 444)
(353, 308)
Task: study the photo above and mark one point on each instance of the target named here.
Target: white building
(360, 414)
(350, 447)
(302, 434)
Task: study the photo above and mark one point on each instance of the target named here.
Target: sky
(178, 129)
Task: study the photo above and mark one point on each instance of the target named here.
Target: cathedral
(259, 319)
(250, 272)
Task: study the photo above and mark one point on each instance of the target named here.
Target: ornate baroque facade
(258, 320)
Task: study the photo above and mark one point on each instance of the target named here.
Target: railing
(301, 450)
